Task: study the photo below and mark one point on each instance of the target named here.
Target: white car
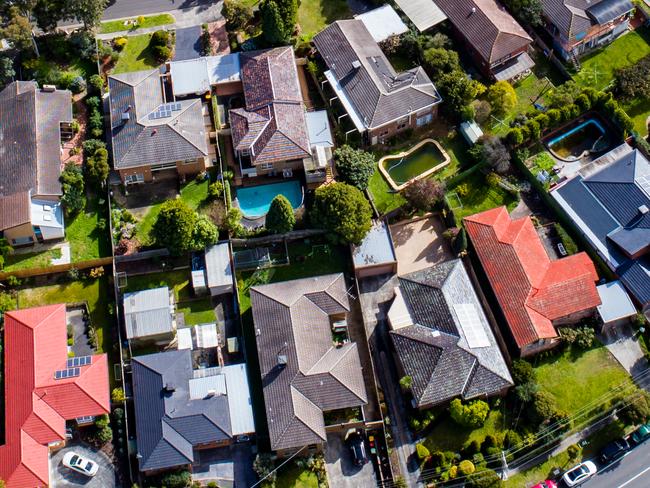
(80, 464)
(579, 473)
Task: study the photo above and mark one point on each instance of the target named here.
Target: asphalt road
(129, 8)
(631, 471)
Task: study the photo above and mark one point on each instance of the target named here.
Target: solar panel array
(471, 325)
(66, 373)
(165, 110)
(79, 361)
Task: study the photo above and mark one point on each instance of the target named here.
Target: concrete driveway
(188, 43)
(62, 477)
(419, 244)
(341, 470)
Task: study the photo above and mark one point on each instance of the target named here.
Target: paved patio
(419, 244)
(341, 470)
(62, 477)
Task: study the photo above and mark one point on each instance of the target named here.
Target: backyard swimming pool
(254, 201)
(583, 139)
(420, 161)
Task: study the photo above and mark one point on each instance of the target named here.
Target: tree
(88, 12)
(7, 72)
(528, 11)
(205, 233)
(237, 14)
(18, 30)
(495, 153)
(482, 110)
(289, 13)
(466, 467)
(265, 468)
(638, 411)
(634, 81)
(526, 392)
(159, 38)
(424, 193)
(273, 26)
(502, 97)
(174, 227)
(406, 382)
(48, 13)
(280, 218)
(117, 395)
(91, 146)
(522, 372)
(97, 166)
(485, 478)
(471, 415)
(422, 451)
(543, 408)
(457, 90)
(438, 61)
(354, 166)
(72, 186)
(344, 211)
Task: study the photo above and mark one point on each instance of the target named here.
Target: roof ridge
(173, 127)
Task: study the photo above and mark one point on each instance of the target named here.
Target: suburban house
(33, 124)
(535, 294)
(379, 101)
(495, 40)
(442, 339)
(149, 316)
(44, 389)
(180, 410)
(609, 204)
(152, 136)
(579, 26)
(305, 372)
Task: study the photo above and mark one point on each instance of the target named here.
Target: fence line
(58, 268)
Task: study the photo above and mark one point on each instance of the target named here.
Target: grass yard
(29, 260)
(136, 56)
(527, 90)
(480, 196)
(197, 311)
(178, 280)
(578, 381)
(88, 233)
(291, 476)
(149, 21)
(315, 15)
(383, 196)
(447, 435)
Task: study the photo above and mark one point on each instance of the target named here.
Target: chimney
(356, 64)
(169, 387)
(643, 209)
(154, 132)
(49, 88)
(282, 360)
(473, 10)
(125, 117)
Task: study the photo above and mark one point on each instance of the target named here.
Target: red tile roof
(37, 404)
(532, 290)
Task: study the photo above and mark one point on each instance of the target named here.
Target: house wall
(306, 452)
(225, 89)
(379, 134)
(149, 340)
(277, 167)
(182, 169)
(574, 318)
(538, 346)
(19, 232)
(379, 269)
(578, 47)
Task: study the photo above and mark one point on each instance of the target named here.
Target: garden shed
(218, 270)
(471, 132)
(375, 255)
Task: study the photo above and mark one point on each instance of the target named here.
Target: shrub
(471, 415)
(77, 85)
(97, 167)
(522, 372)
(543, 121)
(534, 129)
(178, 479)
(424, 193)
(583, 102)
(237, 14)
(92, 145)
(406, 382)
(422, 452)
(462, 190)
(204, 234)
(502, 97)
(484, 478)
(120, 43)
(515, 136)
(569, 244)
(512, 439)
(342, 210)
(117, 395)
(354, 166)
(585, 337)
(280, 219)
(264, 466)
(174, 226)
(215, 190)
(488, 443)
(459, 244)
(72, 184)
(415, 424)
(543, 408)
(573, 450)
(466, 468)
(496, 154)
(638, 411)
(159, 38)
(554, 117)
(526, 391)
(161, 53)
(438, 458)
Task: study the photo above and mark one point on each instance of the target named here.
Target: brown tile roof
(571, 17)
(292, 319)
(487, 26)
(532, 290)
(272, 126)
(30, 146)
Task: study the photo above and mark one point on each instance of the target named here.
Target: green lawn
(136, 56)
(447, 435)
(197, 311)
(454, 144)
(291, 476)
(84, 232)
(480, 197)
(15, 262)
(149, 21)
(178, 280)
(315, 15)
(639, 111)
(527, 90)
(383, 196)
(193, 193)
(577, 381)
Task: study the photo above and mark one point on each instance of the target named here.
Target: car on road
(579, 473)
(614, 450)
(546, 484)
(354, 439)
(80, 464)
(641, 434)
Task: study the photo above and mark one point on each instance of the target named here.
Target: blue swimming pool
(254, 201)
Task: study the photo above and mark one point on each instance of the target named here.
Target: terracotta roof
(487, 26)
(272, 126)
(532, 290)
(303, 373)
(38, 404)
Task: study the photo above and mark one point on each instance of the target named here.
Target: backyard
(315, 15)
(296, 477)
(136, 56)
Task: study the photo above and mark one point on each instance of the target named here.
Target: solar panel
(66, 373)
(471, 324)
(79, 361)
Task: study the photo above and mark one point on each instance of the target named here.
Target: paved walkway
(65, 255)
(623, 343)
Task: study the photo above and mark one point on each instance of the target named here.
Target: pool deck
(403, 154)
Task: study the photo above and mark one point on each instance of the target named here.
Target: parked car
(355, 441)
(614, 450)
(546, 484)
(641, 434)
(80, 464)
(579, 473)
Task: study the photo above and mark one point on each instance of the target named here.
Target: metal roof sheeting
(383, 22)
(423, 13)
(616, 303)
(608, 10)
(514, 68)
(206, 335)
(184, 338)
(239, 399)
(217, 265)
(148, 312)
(318, 128)
(196, 76)
(471, 132)
(376, 247)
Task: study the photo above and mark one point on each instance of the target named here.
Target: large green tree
(72, 185)
(278, 20)
(502, 97)
(174, 227)
(528, 11)
(7, 72)
(280, 218)
(354, 166)
(97, 165)
(18, 29)
(237, 14)
(438, 61)
(342, 210)
(205, 233)
(633, 82)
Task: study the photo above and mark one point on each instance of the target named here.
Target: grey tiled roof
(147, 313)
(292, 320)
(571, 16)
(30, 146)
(168, 422)
(142, 140)
(378, 93)
(434, 351)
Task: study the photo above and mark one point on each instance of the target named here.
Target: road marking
(635, 477)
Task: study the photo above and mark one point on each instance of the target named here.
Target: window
(402, 124)
(266, 166)
(160, 167)
(136, 178)
(424, 120)
(189, 161)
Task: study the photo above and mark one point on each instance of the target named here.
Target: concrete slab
(419, 244)
(62, 477)
(188, 43)
(341, 470)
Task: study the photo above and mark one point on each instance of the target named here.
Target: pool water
(579, 141)
(403, 169)
(255, 201)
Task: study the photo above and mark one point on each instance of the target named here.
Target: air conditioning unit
(49, 88)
